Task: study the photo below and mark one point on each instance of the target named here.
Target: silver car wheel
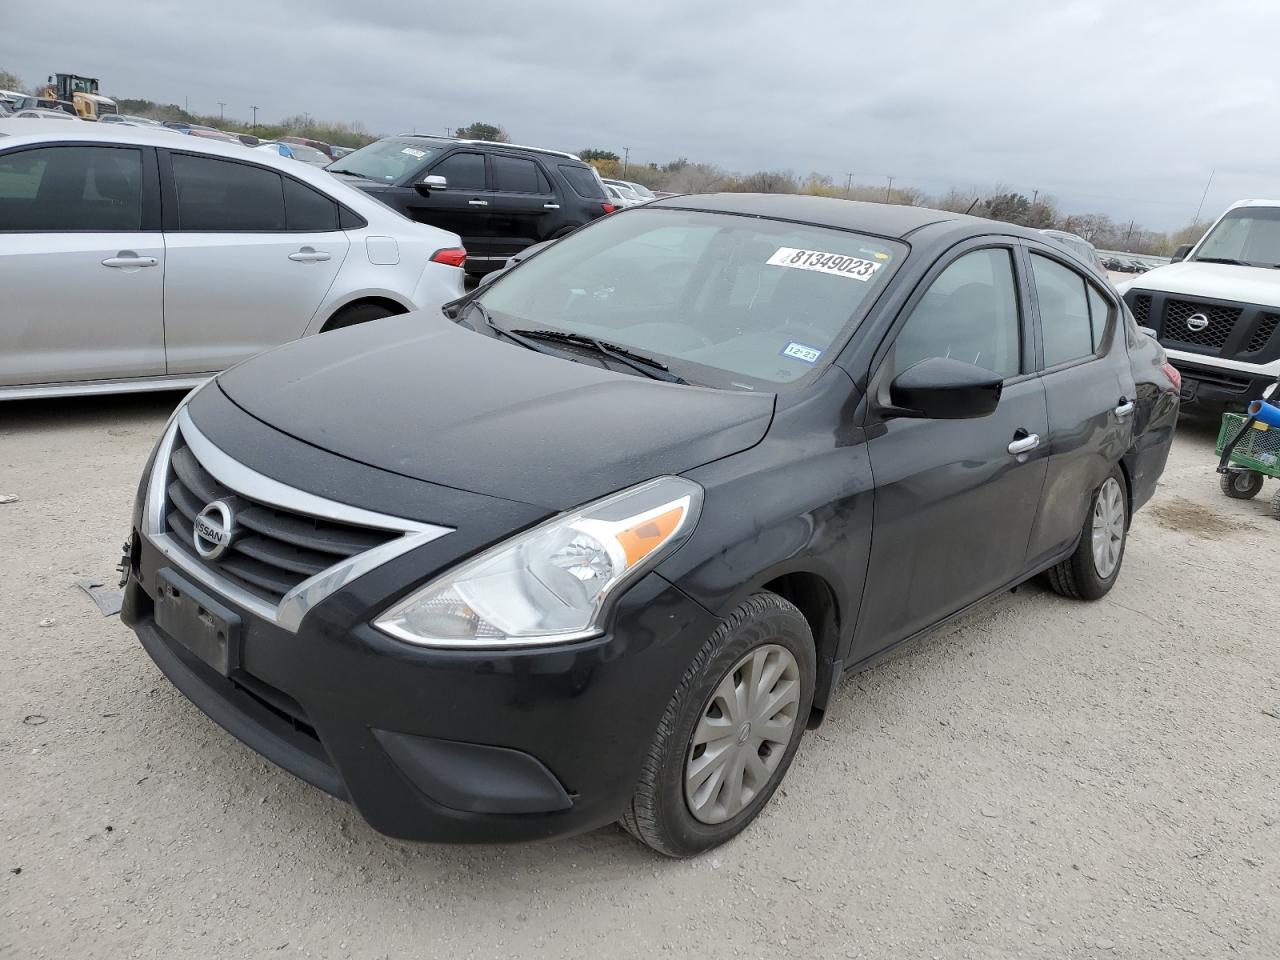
(743, 734)
(1108, 528)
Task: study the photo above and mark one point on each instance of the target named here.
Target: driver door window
(969, 313)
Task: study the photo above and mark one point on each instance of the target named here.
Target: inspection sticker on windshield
(836, 264)
(801, 351)
(419, 154)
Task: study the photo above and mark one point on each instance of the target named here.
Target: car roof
(17, 132)
(881, 219)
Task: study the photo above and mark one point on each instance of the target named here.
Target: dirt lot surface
(1045, 778)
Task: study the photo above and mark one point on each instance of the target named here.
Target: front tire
(355, 314)
(1091, 571)
(730, 731)
(1241, 484)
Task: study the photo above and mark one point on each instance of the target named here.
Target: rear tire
(1275, 505)
(763, 658)
(357, 313)
(1091, 571)
(1241, 484)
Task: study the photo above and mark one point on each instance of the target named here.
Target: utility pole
(448, 133)
(626, 161)
(888, 191)
(1128, 235)
(186, 103)
(254, 108)
(848, 184)
(1035, 195)
(221, 108)
(306, 119)
(1203, 195)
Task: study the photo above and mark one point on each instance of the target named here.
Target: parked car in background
(1216, 308)
(319, 145)
(499, 197)
(601, 543)
(30, 102)
(300, 151)
(340, 151)
(1079, 246)
(38, 114)
(634, 191)
(129, 119)
(4, 109)
(210, 134)
(619, 198)
(133, 260)
(276, 147)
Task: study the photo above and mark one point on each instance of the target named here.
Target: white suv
(1216, 308)
(131, 259)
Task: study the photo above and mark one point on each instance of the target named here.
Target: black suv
(499, 197)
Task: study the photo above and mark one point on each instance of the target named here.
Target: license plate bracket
(196, 620)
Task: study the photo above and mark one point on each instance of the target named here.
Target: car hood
(423, 397)
(1217, 281)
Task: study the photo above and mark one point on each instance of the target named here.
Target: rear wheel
(357, 313)
(1091, 571)
(1241, 484)
(730, 731)
(1275, 505)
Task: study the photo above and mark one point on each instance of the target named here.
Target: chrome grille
(1222, 321)
(276, 550)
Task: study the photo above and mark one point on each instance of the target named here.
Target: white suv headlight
(550, 584)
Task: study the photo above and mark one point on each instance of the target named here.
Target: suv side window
(83, 189)
(464, 171)
(515, 175)
(1065, 326)
(224, 196)
(1099, 315)
(969, 313)
(583, 181)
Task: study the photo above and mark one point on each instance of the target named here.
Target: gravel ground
(1044, 778)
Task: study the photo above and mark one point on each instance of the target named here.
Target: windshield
(723, 300)
(386, 160)
(1250, 235)
(642, 191)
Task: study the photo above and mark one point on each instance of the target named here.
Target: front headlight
(550, 584)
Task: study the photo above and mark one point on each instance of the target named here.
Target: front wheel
(1241, 484)
(1091, 571)
(730, 731)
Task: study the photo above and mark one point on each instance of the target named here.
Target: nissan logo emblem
(1197, 322)
(214, 530)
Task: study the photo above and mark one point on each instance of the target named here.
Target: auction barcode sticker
(836, 264)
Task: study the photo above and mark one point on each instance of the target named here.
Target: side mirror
(1181, 252)
(941, 388)
(431, 182)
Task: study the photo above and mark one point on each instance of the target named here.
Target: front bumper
(1213, 390)
(441, 745)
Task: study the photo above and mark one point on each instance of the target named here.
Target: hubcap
(743, 733)
(1108, 528)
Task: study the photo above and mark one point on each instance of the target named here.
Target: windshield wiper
(1232, 262)
(655, 369)
(352, 173)
(525, 342)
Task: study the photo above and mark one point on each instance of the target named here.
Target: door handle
(309, 255)
(551, 206)
(126, 259)
(1024, 444)
(1125, 408)
(478, 203)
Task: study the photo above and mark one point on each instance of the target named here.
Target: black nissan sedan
(599, 541)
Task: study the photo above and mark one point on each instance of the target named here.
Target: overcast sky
(1123, 108)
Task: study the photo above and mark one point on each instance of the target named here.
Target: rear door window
(1065, 326)
(85, 189)
(1099, 315)
(224, 196)
(516, 175)
(308, 210)
(463, 171)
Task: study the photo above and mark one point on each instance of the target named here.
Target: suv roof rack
(517, 146)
